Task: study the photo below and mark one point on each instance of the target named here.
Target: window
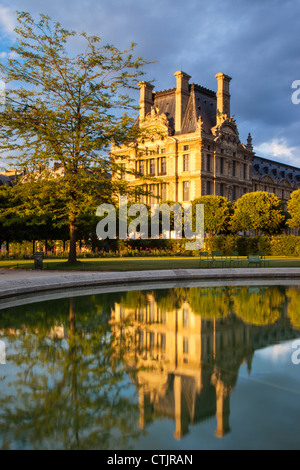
(208, 162)
(185, 345)
(141, 340)
(221, 165)
(244, 171)
(163, 341)
(141, 167)
(152, 194)
(234, 192)
(233, 168)
(186, 162)
(164, 191)
(163, 150)
(152, 166)
(152, 340)
(186, 191)
(185, 317)
(185, 147)
(163, 166)
(208, 188)
(152, 152)
(221, 189)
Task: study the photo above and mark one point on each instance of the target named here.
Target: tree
(294, 209)
(217, 213)
(259, 211)
(67, 108)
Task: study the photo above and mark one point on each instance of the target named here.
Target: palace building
(195, 149)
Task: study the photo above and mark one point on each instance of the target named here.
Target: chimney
(223, 97)
(146, 100)
(182, 96)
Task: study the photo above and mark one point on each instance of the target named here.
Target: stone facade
(195, 149)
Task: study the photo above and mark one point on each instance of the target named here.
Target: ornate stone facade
(195, 148)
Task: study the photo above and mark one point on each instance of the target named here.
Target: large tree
(68, 108)
(258, 210)
(294, 209)
(217, 211)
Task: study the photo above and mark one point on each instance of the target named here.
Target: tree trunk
(72, 252)
(33, 246)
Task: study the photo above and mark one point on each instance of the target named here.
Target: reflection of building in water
(185, 367)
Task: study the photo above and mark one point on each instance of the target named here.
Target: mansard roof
(202, 102)
(281, 171)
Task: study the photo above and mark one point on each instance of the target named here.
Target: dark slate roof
(263, 166)
(165, 101)
(202, 102)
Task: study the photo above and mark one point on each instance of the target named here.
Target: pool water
(170, 369)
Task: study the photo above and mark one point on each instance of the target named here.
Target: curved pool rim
(14, 292)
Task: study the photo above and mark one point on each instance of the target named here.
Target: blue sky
(257, 43)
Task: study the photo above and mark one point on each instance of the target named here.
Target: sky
(256, 43)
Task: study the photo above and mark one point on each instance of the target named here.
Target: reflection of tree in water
(293, 294)
(70, 391)
(258, 306)
(209, 303)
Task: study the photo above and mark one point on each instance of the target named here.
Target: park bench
(218, 258)
(234, 259)
(205, 259)
(256, 260)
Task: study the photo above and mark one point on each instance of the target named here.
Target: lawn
(134, 264)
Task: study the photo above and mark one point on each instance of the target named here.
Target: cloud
(7, 20)
(278, 149)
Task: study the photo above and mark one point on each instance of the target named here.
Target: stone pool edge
(67, 280)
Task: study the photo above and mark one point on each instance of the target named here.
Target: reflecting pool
(181, 368)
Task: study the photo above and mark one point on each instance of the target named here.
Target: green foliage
(258, 306)
(294, 209)
(217, 212)
(68, 109)
(259, 211)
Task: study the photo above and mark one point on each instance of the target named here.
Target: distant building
(196, 150)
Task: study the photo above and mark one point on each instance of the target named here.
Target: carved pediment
(156, 121)
(227, 131)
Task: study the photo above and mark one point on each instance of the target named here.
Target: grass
(136, 264)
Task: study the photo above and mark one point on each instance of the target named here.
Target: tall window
(186, 191)
(142, 167)
(208, 187)
(233, 168)
(152, 194)
(186, 162)
(244, 171)
(163, 166)
(221, 165)
(163, 342)
(185, 345)
(208, 163)
(234, 193)
(164, 191)
(152, 166)
(185, 317)
(221, 189)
